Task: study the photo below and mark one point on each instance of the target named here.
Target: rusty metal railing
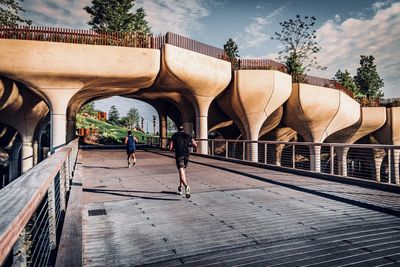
(195, 46)
(260, 64)
(77, 36)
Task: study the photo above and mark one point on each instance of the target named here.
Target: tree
(232, 51)
(88, 109)
(9, 10)
(133, 118)
(296, 69)
(171, 125)
(115, 16)
(140, 24)
(300, 47)
(367, 78)
(113, 115)
(347, 81)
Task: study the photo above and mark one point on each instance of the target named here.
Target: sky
(345, 29)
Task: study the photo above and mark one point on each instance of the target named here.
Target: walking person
(130, 143)
(181, 141)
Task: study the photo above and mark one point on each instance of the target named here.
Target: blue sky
(345, 29)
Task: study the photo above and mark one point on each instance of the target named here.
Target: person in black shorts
(181, 141)
(130, 142)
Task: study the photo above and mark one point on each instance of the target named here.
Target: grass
(108, 133)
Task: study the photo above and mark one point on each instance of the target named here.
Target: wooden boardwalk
(237, 215)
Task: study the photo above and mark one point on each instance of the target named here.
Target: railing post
(265, 153)
(51, 202)
(63, 185)
(212, 147)
(389, 159)
(226, 149)
(293, 156)
(244, 150)
(20, 250)
(332, 155)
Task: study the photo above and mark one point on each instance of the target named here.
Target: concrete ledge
(70, 247)
(324, 176)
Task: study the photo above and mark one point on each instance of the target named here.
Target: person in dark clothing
(130, 142)
(181, 141)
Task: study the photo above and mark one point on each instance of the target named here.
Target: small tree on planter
(232, 51)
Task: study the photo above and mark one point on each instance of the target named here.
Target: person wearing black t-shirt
(181, 141)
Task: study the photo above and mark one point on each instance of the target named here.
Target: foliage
(88, 109)
(171, 127)
(347, 81)
(113, 115)
(295, 68)
(300, 46)
(115, 16)
(232, 51)
(132, 118)
(367, 78)
(140, 24)
(9, 13)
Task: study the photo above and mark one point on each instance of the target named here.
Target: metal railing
(365, 161)
(260, 64)
(78, 36)
(33, 207)
(195, 46)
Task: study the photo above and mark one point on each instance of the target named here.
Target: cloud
(181, 17)
(343, 43)
(60, 13)
(255, 33)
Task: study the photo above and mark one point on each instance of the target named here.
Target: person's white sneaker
(187, 191)
(129, 165)
(180, 192)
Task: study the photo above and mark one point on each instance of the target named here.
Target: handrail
(45, 185)
(365, 161)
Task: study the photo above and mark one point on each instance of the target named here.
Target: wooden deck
(237, 215)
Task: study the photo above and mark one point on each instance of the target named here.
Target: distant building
(102, 116)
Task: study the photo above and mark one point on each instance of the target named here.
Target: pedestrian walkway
(237, 215)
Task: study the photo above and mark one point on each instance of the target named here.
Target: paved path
(237, 215)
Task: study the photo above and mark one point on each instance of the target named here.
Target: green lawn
(108, 133)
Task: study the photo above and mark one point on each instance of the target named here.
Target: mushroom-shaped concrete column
(23, 110)
(59, 70)
(317, 112)
(255, 95)
(371, 119)
(199, 77)
(390, 134)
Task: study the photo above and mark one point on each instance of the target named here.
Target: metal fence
(78, 36)
(260, 64)
(365, 161)
(33, 207)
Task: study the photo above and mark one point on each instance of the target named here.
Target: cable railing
(378, 163)
(33, 207)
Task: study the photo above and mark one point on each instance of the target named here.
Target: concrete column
(27, 155)
(396, 158)
(202, 133)
(202, 106)
(59, 99)
(163, 129)
(278, 154)
(254, 146)
(35, 152)
(342, 159)
(315, 158)
(379, 155)
(70, 130)
(14, 155)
